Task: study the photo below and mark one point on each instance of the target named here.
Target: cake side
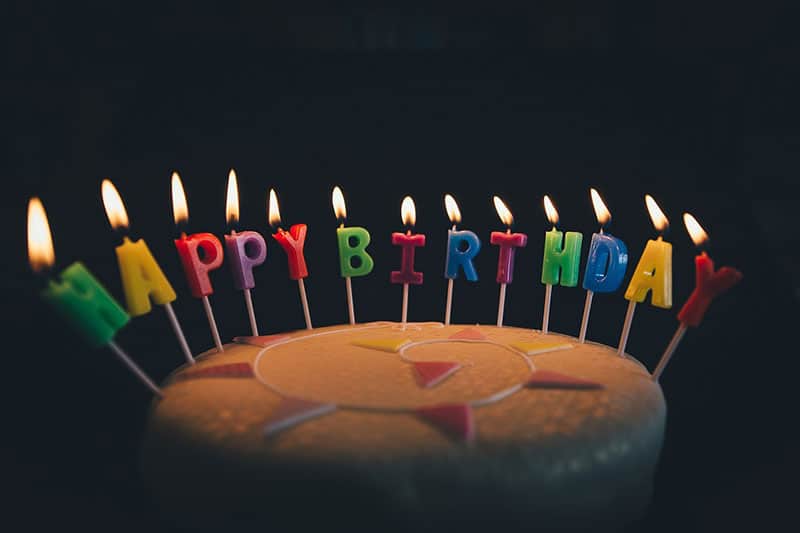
(549, 451)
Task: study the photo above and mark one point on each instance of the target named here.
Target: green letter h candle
(561, 264)
(85, 304)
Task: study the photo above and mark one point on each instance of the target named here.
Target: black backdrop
(692, 107)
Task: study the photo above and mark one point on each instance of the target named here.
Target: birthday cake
(422, 425)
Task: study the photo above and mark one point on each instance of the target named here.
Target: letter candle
(408, 242)
(606, 263)
(353, 242)
(246, 249)
(505, 260)
(708, 285)
(292, 242)
(195, 267)
(143, 281)
(561, 260)
(77, 295)
(456, 256)
(652, 273)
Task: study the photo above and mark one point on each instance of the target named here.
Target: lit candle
(292, 242)
(462, 247)
(246, 249)
(143, 281)
(508, 243)
(195, 266)
(653, 273)
(561, 261)
(354, 261)
(606, 263)
(408, 242)
(76, 295)
(708, 285)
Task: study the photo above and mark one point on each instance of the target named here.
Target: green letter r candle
(347, 253)
(85, 304)
(561, 264)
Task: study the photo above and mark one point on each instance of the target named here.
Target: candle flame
(408, 212)
(695, 230)
(273, 212)
(180, 209)
(453, 212)
(115, 209)
(232, 199)
(600, 210)
(41, 255)
(550, 210)
(660, 221)
(503, 212)
(339, 207)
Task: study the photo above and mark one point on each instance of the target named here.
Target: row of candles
(84, 302)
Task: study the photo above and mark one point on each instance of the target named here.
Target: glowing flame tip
(273, 211)
(408, 211)
(180, 209)
(695, 230)
(660, 220)
(453, 212)
(600, 210)
(115, 208)
(503, 211)
(339, 207)
(41, 254)
(550, 210)
(232, 199)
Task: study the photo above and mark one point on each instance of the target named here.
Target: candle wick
(508, 230)
(453, 228)
(408, 232)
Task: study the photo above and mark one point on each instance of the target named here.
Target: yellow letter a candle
(653, 273)
(142, 278)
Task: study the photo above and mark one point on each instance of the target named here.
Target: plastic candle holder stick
(354, 261)
(508, 243)
(77, 296)
(606, 263)
(143, 281)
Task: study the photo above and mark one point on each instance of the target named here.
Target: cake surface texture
(371, 425)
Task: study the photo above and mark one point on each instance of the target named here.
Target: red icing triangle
(453, 419)
(431, 373)
(231, 370)
(468, 334)
(261, 340)
(547, 379)
(293, 411)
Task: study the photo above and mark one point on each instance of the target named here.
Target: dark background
(696, 107)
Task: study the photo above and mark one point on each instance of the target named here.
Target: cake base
(541, 457)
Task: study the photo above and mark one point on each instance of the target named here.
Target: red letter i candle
(408, 242)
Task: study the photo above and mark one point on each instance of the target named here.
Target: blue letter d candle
(606, 263)
(462, 247)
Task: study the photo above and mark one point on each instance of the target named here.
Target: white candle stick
(626, 327)
(587, 308)
(404, 310)
(671, 347)
(501, 305)
(133, 367)
(176, 326)
(248, 302)
(449, 305)
(304, 300)
(351, 312)
(212, 324)
(548, 294)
